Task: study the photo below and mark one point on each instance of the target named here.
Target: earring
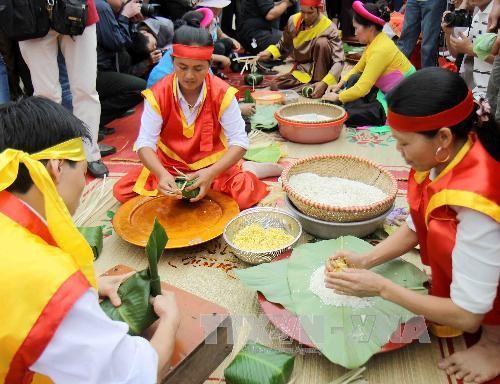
(439, 158)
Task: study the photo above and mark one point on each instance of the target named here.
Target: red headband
(360, 9)
(311, 3)
(192, 52)
(447, 118)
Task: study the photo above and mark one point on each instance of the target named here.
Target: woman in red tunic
(192, 124)
(454, 199)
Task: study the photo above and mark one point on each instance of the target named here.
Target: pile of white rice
(310, 118)
(329, 297)
(335, 190)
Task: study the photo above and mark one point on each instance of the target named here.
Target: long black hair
(189, 32)
(379, 9)
(32, 125)
(433, 90)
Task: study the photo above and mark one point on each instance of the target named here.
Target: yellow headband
(60, 223)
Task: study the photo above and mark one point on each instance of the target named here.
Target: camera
(458, 18)
(149, 10)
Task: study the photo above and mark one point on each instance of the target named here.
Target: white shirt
(90, 348)
(475, 259)
(481, 70)
(231, 121)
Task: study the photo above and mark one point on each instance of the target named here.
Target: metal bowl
(332, 230)
(269, 218)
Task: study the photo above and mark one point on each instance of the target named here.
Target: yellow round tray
(186, 223)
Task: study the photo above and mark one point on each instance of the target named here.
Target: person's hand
(247, 109)
(332, 97)
(445, 27)
(236, 44)
(107, 286)
(264, 56)
(462, 44)
(334, 88)
(356, 282)
(493, 17)
(224, 61)
(167, 186)
(319, 89)
(354, 260)
(165, 306)
(204, 179)
(131, 9)
(495, 49)
(155, 56)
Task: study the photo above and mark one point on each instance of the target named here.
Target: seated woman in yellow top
(381, 67)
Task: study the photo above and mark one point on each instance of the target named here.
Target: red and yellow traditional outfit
(470, 181)
(189, 148)
(45, 268)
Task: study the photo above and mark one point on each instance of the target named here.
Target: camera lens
(149, 10)
(449, 18)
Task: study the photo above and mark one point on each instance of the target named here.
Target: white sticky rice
(335, 190)
(329, 297)
(310, 118)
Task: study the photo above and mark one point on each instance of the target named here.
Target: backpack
(24, 19)
(69, 17)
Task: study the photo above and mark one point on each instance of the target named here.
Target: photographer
(119, 90)
(259, 20)
(460, 38)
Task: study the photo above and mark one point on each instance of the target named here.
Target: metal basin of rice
(345, 167)
(331, 230)
(268, 218)
(326, 129)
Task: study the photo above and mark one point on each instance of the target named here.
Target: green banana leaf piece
(483, 44)
(263, 118)
(345, 335)
(270, 279)
(264, 154)
(135, 292)
(248, 97)
(257, 364)
(94, 237)
(348, 336)
(182, 184)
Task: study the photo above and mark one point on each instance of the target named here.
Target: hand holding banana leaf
(136, 308)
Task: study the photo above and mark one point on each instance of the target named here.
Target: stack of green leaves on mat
(94, 237)
(270, 153)
(263, 118)
(346, 335)
(257, 364)
(352, 48)
(135, 292)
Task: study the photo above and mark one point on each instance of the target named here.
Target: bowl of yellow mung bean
(258, 235)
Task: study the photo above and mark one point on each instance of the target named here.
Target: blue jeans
(4, 83)
(67, 99)
(422, 16)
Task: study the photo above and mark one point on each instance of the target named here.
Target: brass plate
(186, 223)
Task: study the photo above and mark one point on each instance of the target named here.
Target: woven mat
(207, 271)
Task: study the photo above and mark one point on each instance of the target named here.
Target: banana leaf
(270, 279)
(94, 237)
(257, 364)
(135, 292)
(248, 97)
(264, 154)
(182, 184)
(345, 335)
(348, 336)
(263, 118)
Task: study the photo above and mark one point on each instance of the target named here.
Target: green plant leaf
(248, 97)
(268, 279)
(264, 154)
(135, 292)
(135, 309)
(94, 237)
(154, 249)
(257, 364)
(182, 184)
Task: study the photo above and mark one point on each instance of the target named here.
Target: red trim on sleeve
(92, 16)
(45, 327)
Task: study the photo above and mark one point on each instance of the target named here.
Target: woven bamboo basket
(310, 132)
(334, 112)
(347, 167)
